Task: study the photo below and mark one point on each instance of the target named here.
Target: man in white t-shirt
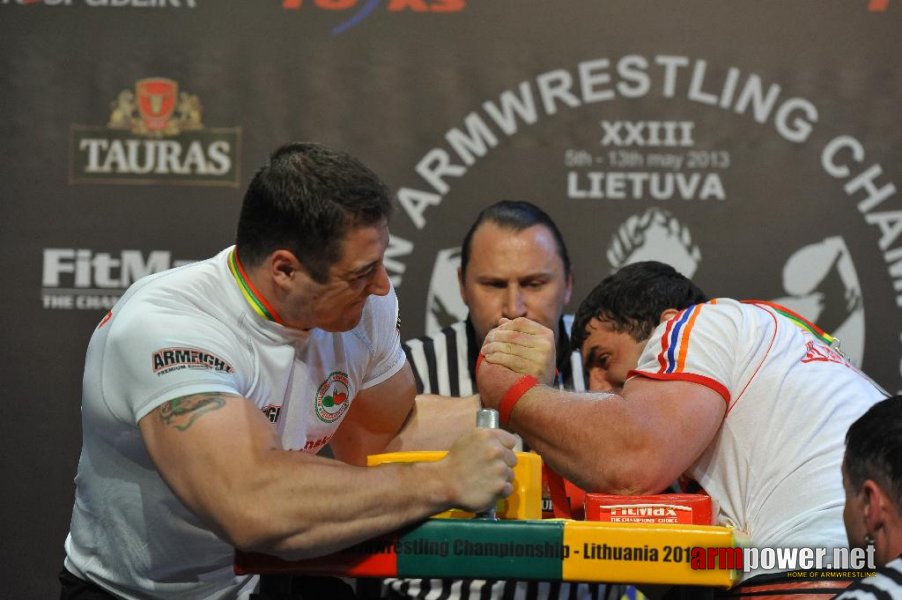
(209, 389)
(747, 399)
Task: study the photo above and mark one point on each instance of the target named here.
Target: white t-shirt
(773, 469)
(187, 331)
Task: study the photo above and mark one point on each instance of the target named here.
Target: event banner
(755, 146)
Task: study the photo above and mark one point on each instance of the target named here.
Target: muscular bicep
(376, 417)
(680, 420)
(205, 446)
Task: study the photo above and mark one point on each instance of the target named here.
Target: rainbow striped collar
(253, 296)
(800, 322)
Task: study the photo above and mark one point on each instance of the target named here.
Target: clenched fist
(480, 468)
(516, 347)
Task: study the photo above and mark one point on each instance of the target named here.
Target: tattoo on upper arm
(181, 413)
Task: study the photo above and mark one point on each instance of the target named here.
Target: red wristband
(513, 395)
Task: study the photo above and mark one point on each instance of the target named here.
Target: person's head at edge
(872, 479)
(514, 263)
(613, 323)
(312, 234)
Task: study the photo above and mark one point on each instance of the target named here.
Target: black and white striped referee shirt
(886, 584)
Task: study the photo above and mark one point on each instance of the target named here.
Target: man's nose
(379, 285)
(514, 304)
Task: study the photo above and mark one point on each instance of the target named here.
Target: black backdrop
(756, 145)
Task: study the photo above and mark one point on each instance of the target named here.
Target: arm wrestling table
(544, 550)
(521, 546)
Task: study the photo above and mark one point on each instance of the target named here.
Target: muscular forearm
(221, 457)
(593, 439)
(632, 443)
(325, 505)
(230, 470)
(436, 423)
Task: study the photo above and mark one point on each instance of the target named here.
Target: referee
(513, 264)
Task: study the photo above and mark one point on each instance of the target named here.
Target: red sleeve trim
(712, 384)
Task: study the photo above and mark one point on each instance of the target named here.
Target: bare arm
(220, 456)
(634, 443)
(389, 420)
(437, 422)
(376, 416)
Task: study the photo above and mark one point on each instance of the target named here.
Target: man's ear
(462, 285)
(874, 505)
(569, 288)
(668, 314)
(283, 266)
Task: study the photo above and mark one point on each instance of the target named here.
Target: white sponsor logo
(155, 157)
(820, 279)
(444, 304)
(675, 160)
(791, 560)
(83, 279)
(655, 235)
(822, 285)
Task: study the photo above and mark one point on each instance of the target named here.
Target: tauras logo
(155, 134)
(84, 279)
(169, 359)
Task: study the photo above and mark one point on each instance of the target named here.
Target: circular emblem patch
(332, 397)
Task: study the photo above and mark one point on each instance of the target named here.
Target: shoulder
(190, 287)
(179, 304)
(718, 316)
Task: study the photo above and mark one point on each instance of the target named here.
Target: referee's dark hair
(515, 215)
(874, 448)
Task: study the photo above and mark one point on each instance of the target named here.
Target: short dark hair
(515, 215)
(874, 448)
(633, 298)
(305, 199)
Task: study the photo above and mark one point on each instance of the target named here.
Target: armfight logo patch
(167, 360)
